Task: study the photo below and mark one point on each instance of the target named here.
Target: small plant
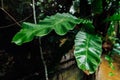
(91, 35)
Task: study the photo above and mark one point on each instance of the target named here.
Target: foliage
(60, 23)
(88, 42)
(88, 51)
(115, 17)
(110, 61)
(116, 48)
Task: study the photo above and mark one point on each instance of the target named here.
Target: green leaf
(108, 58)
(87, 51)
(116, 48)
(89, 28)
(111, 74)
(110, 61)
(115, 17)
(111, 30)
(28, 33)
(60, 23)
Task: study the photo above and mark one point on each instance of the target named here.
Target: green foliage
(89, 28)
(115, 17)
(60, 23)
(112, 37)
(111, 74)
(88, 51)
(88, 45)
(110, 61)
(111, 32)
(111, 29)
(116, 48)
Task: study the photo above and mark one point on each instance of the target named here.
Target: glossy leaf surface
(88, 51)
(60, 23)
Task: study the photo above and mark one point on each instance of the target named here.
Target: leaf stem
(34, 12)
(10, 16)
(41, 52)
(44, 63)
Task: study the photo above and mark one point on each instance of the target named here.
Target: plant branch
(42, 57)
(41, 52)
(12, 24)
(34, 12)
(10, 16)
(2, 8)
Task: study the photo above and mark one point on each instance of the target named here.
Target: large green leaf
(27, 34)
(87, 51)
(60, 23)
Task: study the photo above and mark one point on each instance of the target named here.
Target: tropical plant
(97, 31)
